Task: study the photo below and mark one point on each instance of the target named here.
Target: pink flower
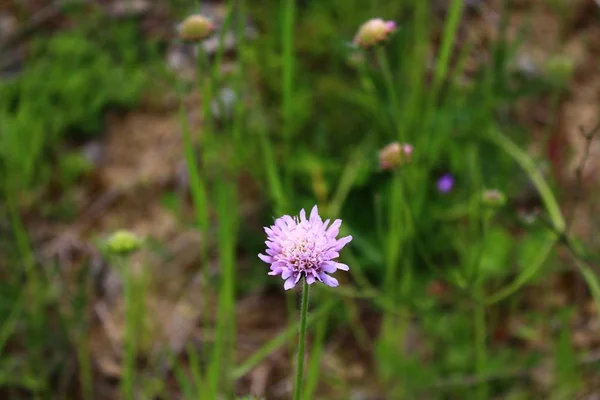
(297, 246)
(394, 154)
(373, 32)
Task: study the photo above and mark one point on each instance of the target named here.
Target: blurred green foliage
(68, 83)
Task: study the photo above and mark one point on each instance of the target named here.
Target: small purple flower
(446, 183)
(299, 245)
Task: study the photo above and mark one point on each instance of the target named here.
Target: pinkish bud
(493, 198)
(394, 155)
(373, 32)
(195, 28)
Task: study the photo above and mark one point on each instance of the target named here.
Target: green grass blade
(9, 326)
(222, 357)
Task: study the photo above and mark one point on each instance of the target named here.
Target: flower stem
(301, 341)
(480, 345)
(130, 331)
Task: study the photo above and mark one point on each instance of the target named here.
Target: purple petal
(266, 259)
(342, 242)
(328, 280)
(277, 268)
(288, 220)
(273, 245)
(286, 273)
(289, 283)
(330, 255)
(302, 215)
(334, 229)
(314, 215)
(341, 266)
(275, 271)
(329, 267)
(310, 279)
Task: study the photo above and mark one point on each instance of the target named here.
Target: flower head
(373, 32)
(394, 154)
(297, 246)
(446, 183)
(195, 27)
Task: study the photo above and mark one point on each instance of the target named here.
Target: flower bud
(559, 69)
(373, 32)
(394, 155)
(123, 242)
(195, 28)
(493, 198)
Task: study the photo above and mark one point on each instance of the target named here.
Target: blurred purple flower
(299, 245)
(445, 183)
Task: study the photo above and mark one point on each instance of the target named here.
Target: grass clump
(69, 82)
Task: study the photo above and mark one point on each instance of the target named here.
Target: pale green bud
(123, 242)
(195, 28)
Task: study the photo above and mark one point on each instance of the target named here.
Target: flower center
(300, 254)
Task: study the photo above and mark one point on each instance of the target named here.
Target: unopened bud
(123, 242)
(373, 32)
(493, 198)
(394, 155)
(195, 28)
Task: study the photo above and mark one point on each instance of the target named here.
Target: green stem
(392, 94)
(480, 346)
(536, 177)
(84, 360)
(301, 340)
(552, 207)
(130, 334)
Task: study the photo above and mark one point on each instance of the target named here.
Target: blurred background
(138, 168)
